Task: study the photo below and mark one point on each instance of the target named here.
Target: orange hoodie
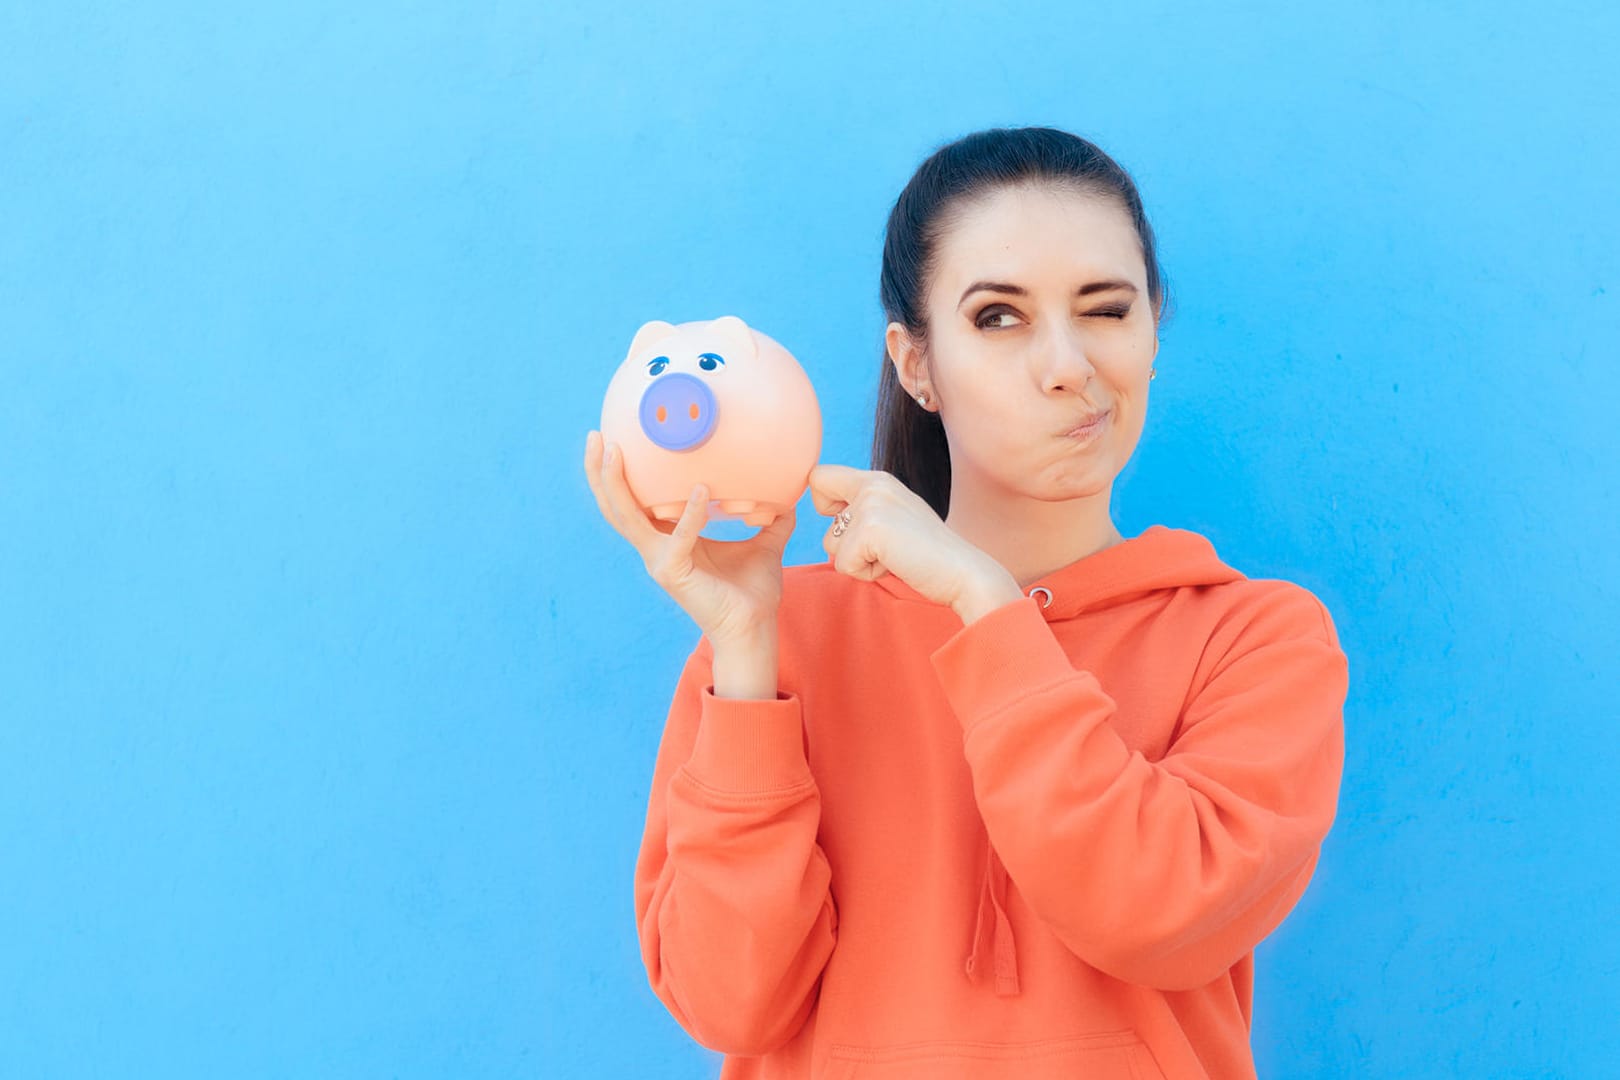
(1043, 844)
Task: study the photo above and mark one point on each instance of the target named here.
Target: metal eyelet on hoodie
(1042, 589)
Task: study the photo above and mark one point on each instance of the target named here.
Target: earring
(922, 399)
(1153, 373)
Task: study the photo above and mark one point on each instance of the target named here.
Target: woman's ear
(907, 359)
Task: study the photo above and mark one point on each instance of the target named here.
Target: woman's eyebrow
(1018, 290)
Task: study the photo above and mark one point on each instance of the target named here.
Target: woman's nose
(1067, 364)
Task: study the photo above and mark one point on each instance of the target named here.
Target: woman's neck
(1031, 538)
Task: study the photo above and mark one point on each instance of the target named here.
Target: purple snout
(678, 411)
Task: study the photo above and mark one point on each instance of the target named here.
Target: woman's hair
(908, 440)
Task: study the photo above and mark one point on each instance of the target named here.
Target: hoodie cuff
(1002, 656)
(749, 745)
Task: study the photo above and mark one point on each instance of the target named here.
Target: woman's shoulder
(812, 585)
(827, 618)
(1273, 605)
(814, 576)
(816, 596)
(811, 589)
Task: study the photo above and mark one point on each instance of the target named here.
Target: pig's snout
(678, 411)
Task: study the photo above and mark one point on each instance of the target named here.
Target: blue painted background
(328, 704)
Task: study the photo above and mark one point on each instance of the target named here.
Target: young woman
(995, 792)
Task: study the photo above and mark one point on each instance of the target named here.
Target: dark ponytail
(908, 440)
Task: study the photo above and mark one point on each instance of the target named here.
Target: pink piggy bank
(715, 402)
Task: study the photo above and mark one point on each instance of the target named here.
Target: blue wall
(328, 703)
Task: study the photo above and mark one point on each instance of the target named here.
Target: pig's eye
(709, 361)
(657, 365)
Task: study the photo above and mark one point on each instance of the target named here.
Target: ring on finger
(842, 523)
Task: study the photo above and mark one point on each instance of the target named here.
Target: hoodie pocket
(1107, 1055)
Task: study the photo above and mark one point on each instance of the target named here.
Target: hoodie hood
(1158, 558)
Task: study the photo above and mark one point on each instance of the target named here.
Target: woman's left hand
(893, 530)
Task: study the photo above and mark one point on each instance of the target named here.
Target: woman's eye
(992, 314)
(983, 324)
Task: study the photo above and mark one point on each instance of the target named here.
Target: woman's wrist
(746, 667)
(984, 593)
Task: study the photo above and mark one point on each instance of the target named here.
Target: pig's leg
(752, 512)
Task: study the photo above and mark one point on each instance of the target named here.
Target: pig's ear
(647, 335)
(735, 333)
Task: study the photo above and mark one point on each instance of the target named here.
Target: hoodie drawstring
(992, 920)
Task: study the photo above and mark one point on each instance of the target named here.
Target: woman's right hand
(730, 588)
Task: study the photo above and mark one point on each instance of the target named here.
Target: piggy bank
(713, 402)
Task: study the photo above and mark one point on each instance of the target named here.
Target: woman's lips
(1087, 431)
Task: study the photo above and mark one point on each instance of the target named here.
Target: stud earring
(1153, 373)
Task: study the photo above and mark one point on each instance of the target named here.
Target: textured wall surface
(328, 703)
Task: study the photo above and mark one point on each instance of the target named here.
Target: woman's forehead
(1019, 233)
(1017, 215)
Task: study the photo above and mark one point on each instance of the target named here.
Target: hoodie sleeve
(1164, 873)
(734, 908)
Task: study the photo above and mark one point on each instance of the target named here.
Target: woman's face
(1064, 331)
